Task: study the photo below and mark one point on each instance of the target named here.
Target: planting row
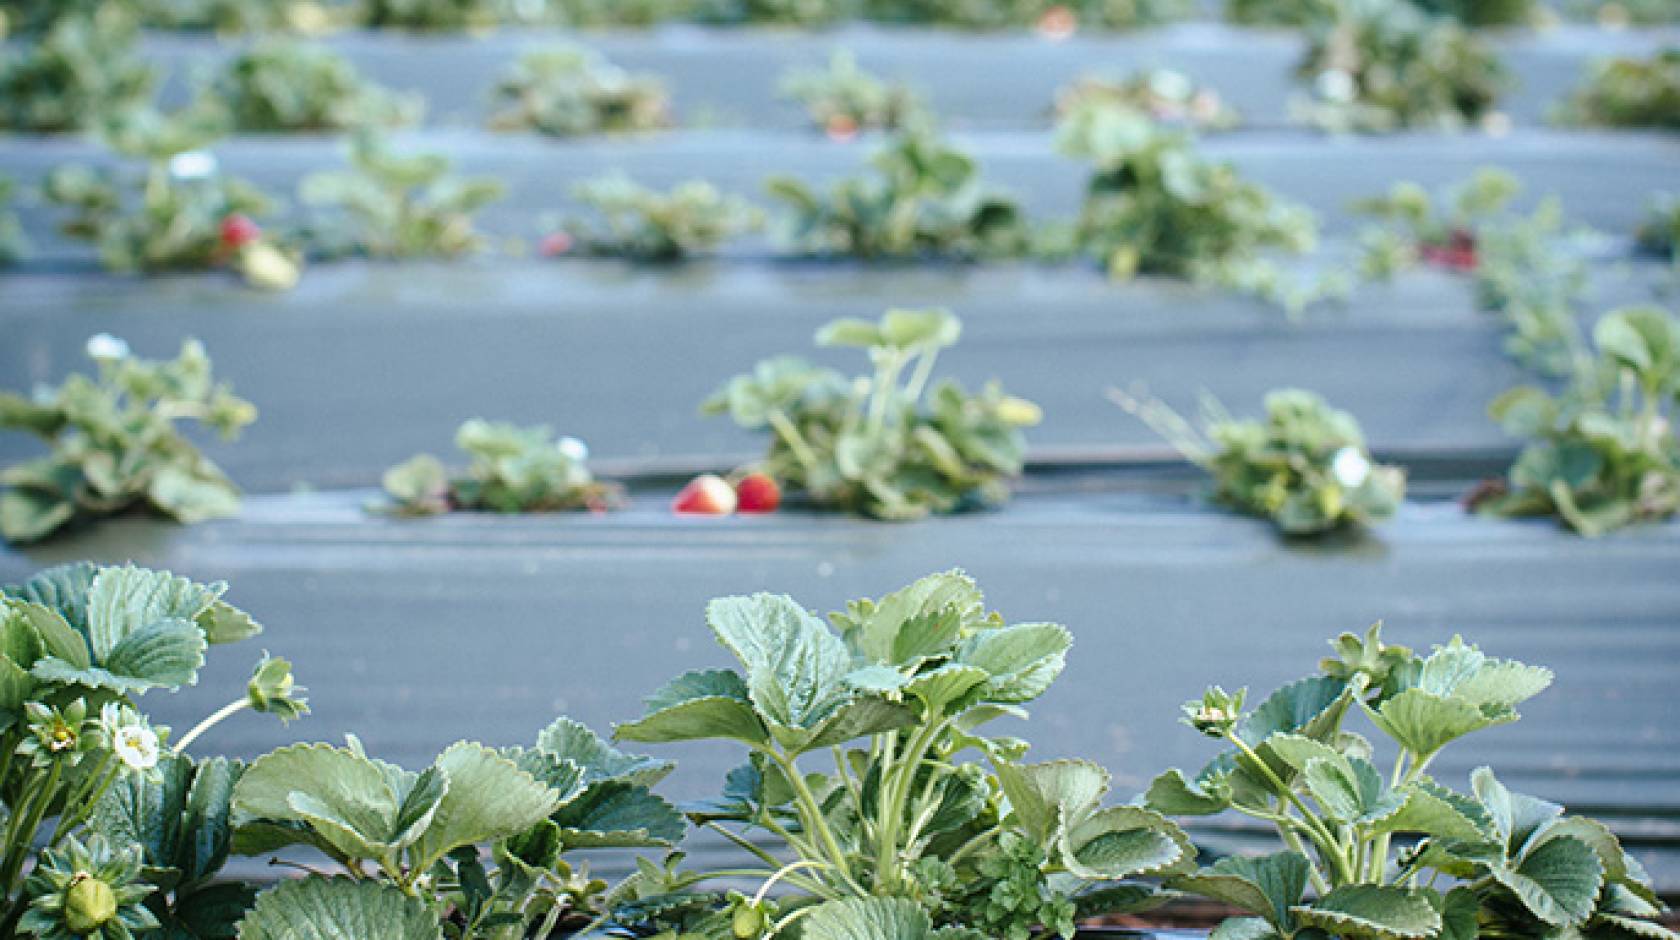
(901, 686)
(725, 78)
(899, 441)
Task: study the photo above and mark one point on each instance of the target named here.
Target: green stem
(21, 835)
(923, 372)
(789, 433)
(743, 843)
(815, 821)
(231, 708)
(896, 792)
(1328, 845)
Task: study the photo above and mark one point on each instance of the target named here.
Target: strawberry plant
(925, 201)
(1603, 452)
(1416, 227)
(127, 834)
(287, 86)
(1278, 12)
(475, 847)
(567, 92)
(245, 16)
(1528, 274)
(783, 12)
(12, 243)
(631, 221)
(1627, 92)
(115, 444)
(434, 14)
(80, 70)
(1004, 14)
(922, 818)
(513, 469)
(889, 445)
(598, 13)
(172, 216)
(1659, 234)
(844, 99)
(1305, 466)
(1162, 95)
(1155, 206)
(1380, 65)
(392, 205)
(1619, 14)
(1396, 854)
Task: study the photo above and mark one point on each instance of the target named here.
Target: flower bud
(267, 267)
(272, 689)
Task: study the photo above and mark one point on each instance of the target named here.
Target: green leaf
(343, 800)
(1558, 881)
(617, 815)
(1244, 928)
(1310, 707)
(187, 497)
(1434, 810)
(795, 667)
(1170, 793)
(1423, 722)
(64, 589)
(1267, 885)
(1023, 660)
(919, 620)
(698, 706)
(578, 743)
(1125, 842)
(338, 909)
(867, 919)
(30, 515)
(487, 798)
(1460, 910)
(1043, 795)
(125, 599)
(1348, 789)
(1376, 911)
(225, 623)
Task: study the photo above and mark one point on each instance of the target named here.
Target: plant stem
(231, 708)
(814, 819)
(742, 842)
(789, 433)
(1328, 844)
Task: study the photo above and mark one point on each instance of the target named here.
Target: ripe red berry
(705, 495)
(238, 230)
(555, 243)
(757, 492)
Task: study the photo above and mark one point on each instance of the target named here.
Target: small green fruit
(89, 904)
(748, 923)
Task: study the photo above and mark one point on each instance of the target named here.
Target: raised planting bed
(1325, 174)
(416, 633)
(730, 77)
(364, 365)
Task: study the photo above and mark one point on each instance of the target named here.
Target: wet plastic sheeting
(365, 365)
(417, 633)
(730, 77)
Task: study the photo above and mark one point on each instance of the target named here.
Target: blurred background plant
(1155, 206)
(1602, 453)
(631, 221)
(13, 245)
(513, 469)
(182, 213)
(71, 71)
(1305, 466)
(393, 205)
(1415, 227)
(568, 92)
(115, 444)
(926, 200)
(1659, 234)
(844, 99)
(1382, 65)
(1628, 92)
(291, 86)
(1163, 95)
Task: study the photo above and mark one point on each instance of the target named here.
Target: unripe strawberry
(705, 495)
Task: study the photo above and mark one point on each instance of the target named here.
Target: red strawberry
(238, 230)
(705, 495)
(757, 492)
(841, 128)
(1057, 23)
(555, 243)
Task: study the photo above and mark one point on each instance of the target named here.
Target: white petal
(192, 165)
(105, 346)
(1350, 467)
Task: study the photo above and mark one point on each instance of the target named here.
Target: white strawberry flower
(132, 740)
(192, 165)
(1350, 467)
(1335, 85)
(572, 448)
(103, 346)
